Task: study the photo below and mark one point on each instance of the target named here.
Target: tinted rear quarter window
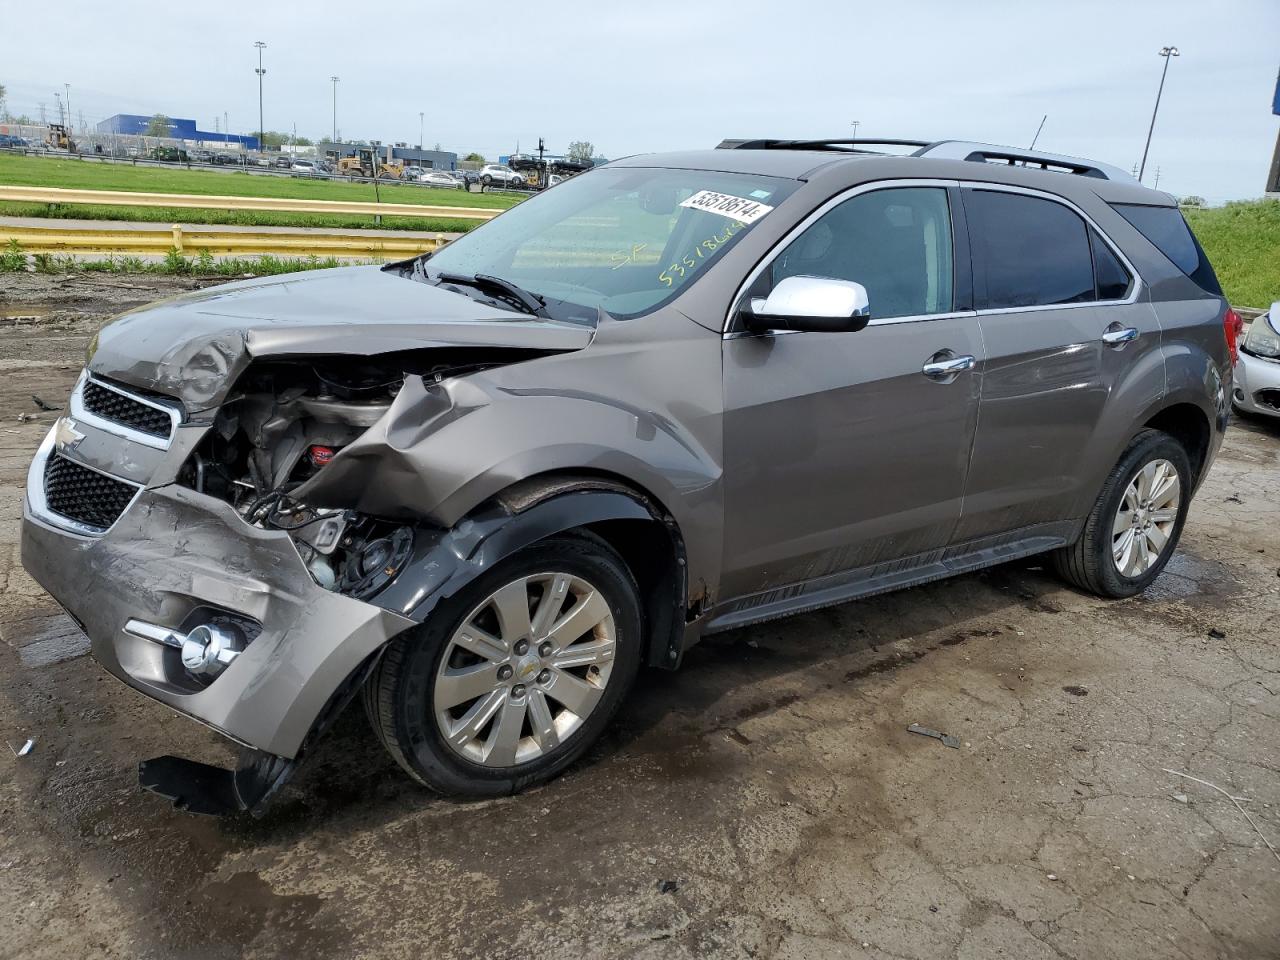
(1168, 231)
(1113, 278)
(1033, 252)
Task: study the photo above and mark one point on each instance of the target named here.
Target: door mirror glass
(811, 303)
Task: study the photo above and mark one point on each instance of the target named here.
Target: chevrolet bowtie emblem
(65, 434)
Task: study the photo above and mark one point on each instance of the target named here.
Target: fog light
(208, 649)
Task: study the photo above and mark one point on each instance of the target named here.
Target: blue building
(134, 125)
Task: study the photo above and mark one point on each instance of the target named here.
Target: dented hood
(195, 346)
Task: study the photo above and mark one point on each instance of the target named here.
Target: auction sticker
(726, 205)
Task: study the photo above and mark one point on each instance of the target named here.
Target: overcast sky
(658, 75)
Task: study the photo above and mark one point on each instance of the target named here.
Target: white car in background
(1257, 372)
(438, 178)
(304, 167)
(501, 175)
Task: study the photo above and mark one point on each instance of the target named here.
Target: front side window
(895, 242)
(1033, 252)
(624, 239)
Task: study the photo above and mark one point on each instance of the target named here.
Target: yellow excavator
(368, 163)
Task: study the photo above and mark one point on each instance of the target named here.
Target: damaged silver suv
(675, 395)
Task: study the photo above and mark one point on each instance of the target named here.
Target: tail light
(1232, 327)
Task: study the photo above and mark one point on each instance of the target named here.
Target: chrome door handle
(1116, 335)
(944, 366)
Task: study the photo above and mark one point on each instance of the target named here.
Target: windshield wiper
(531, 302)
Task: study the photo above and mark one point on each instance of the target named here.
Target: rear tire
(409, 696)
(1098, 561)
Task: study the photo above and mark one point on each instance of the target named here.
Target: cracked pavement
(766, 801)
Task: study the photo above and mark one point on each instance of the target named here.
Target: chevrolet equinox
(676, 395)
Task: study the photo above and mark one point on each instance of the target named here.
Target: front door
(840, 451)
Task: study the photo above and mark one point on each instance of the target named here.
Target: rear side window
(1168, 231)
(1032, 252)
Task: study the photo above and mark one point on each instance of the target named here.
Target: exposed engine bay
(286, 420)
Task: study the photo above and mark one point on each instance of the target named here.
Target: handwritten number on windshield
(701, 251)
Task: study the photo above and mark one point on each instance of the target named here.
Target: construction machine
(59, 137)
(368, 163)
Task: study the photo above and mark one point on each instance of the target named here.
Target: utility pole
(1156, 185)
(1165, 52)
(68, 88)
(334, 80)
(57, 96)
(1038, 129)
(262, 133)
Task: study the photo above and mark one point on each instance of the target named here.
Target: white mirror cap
(817, 297)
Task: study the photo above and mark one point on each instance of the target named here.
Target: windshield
(624, 239)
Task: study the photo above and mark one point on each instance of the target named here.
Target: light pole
(68, 86)
(420, 115)
(57, 96)
(854, 124)
(262, 133)
(1165, 52)
(334, 80)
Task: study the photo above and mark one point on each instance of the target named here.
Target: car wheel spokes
(1144, 521)
(525, 669)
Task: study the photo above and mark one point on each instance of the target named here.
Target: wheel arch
(1189, 425)
(629, 518)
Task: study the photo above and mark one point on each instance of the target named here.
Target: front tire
(508, 682)
(1136, 521)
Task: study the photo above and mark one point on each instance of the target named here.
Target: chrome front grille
(120, 411)
(126, 410)
(89, 499)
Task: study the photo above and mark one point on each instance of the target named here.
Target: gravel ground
(766, 801)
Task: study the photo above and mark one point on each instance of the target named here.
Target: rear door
(839, 451)
(1066, 340)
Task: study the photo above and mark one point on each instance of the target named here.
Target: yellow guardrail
(121, 198)
(190, 241)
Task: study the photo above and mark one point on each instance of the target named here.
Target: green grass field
(1243, 244)
(89, 175)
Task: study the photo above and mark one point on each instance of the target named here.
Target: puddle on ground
(1186, 575)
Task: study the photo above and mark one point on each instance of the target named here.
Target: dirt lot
(767, 801)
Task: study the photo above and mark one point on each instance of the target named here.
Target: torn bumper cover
(176, 560)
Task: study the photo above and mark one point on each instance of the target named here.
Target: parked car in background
(225, 159)
(6, 140)
(412, 172)
(169, 154)
(1257, 387)
(304, 166)
(202, 156)
(260, 161)
(465, 177)
(499, 174)
(438, 178)
(282, 162)
(478, 489)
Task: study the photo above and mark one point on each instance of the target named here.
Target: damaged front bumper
(176, 559)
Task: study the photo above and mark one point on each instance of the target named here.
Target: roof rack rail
(1013, 156)
(949, 150)
(843, 146)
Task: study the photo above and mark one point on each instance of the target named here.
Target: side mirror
(817, 304)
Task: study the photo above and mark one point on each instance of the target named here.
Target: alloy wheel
(1145, 519)
(525, 669)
